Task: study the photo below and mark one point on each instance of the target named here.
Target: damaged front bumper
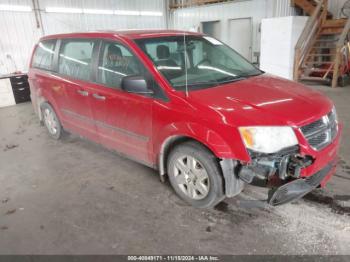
(298, 188)
(290, 174)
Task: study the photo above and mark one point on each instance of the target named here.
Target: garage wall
(19, 32)
(191, 18)
(335, 6)
(58, 22)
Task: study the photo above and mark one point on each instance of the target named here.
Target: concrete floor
(75, 197)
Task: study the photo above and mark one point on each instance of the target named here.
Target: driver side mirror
(135, 84)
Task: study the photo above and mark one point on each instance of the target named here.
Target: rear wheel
(51, 121)
(195, 175)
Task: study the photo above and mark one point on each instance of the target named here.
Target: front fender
(226, 145)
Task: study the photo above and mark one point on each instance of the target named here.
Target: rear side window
(75, 58)
(43, 55)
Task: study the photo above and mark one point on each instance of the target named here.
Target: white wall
(279, 36)
(191, 18)
(18, 30)
(58, 22)
(18, 33)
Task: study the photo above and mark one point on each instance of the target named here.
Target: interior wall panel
(192, 17)
(61, 23)
(19, 32)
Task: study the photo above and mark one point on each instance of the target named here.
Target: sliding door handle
(98, 97)
(83, 92)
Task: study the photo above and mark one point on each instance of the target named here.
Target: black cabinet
(20, 87)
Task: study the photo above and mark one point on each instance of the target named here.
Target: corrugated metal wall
(335, 6)
(18, 33)
(191, 18)
(281, 8)
(58, 22)
(18, 30)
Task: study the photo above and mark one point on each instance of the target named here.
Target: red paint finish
(138, 125)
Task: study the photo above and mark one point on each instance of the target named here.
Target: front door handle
(99, 97)
(83, 92)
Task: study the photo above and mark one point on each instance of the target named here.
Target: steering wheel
(205, 60)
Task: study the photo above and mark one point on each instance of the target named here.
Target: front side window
(75, 58)
(198, 61)
(116, 62)
(44, 54)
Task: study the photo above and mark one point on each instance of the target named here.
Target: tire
(51, 121)
(195, 175)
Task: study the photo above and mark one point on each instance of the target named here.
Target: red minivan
(188, 105)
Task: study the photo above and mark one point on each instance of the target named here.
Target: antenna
(185, 51)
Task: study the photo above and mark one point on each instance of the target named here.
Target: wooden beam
(336, 69)
(190, 3)
(338, 58)
(307, 6)
(334, 23)
(331, 31)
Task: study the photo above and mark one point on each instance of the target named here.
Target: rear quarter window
(44, 54)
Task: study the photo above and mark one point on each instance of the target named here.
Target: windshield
(199, 61)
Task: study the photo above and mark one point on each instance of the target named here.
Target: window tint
(75, 58)
(44, 54)
(116, 62)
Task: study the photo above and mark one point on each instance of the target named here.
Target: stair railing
(339, 51)
(309, 35)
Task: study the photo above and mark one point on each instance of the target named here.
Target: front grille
(322, 132)
(310, 128)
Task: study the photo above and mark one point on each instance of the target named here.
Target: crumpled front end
(293, 172)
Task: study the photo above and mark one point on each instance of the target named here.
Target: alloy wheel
(50, 121)
(191, 177)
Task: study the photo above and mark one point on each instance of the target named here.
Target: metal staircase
(322, 52)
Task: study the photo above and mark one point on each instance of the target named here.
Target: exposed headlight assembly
(268, 139)
(334, 113)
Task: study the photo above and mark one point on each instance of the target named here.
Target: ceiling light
(18, 8)
(151, 13)
(64, 10)
(98, 11)
(126, 12)
(101, 11)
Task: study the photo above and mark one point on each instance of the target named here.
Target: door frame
(210, 21)
(250, 59)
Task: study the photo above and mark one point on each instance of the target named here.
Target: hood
(264, 100)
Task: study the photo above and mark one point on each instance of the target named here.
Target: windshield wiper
(211, 83)
(252, 74)
(197, 83)
(230, 79)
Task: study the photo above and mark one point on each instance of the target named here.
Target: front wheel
(195, 175)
